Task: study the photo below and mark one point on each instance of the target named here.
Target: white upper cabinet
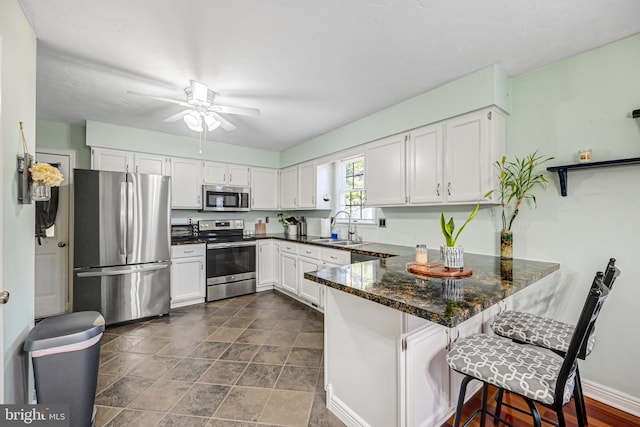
(226, 174)
(186, 183)
(446, 162)
(105, 159)
(307, 186)
(127, 161)
(425, 158)
(264, 188)
(289, 188)
(384, 169)
(152, 164)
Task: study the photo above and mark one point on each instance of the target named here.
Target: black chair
(537, 375)
(553, 335)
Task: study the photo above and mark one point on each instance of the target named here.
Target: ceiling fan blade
(160, 98)
(176, 116)
(224, 123)
(246, 111)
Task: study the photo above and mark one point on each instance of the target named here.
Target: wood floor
(599, 414)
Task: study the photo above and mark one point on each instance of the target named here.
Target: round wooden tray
(437, 270)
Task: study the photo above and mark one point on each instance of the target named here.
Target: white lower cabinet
(188, 276)
(289, 280)
(310, 290)
(265, 264)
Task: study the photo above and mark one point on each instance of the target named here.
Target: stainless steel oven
(231, 259)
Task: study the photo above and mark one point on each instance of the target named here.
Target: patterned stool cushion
(522, 369)
(536, 330)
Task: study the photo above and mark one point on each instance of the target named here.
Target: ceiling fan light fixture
(193, 121)
(211, 122)
(199, 94)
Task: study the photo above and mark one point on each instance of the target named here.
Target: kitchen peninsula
(387, 332)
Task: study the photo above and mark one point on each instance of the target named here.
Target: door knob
(4, 297)
(62, 244)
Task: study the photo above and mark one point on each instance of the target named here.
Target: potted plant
(452, 256)
(289, 223)
(516, 180)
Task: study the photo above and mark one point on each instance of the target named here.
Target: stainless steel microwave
(219, 198)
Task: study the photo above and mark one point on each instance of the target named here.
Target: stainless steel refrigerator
(122, 244)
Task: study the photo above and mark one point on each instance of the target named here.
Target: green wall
(61, 136)
(18, 104)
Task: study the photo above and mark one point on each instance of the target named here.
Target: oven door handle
(230, 245)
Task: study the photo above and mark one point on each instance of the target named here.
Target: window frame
(341, 190)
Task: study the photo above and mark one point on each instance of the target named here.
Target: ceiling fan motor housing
(199, 95)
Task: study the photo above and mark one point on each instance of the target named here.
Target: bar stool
(553, 335)
(537, 375)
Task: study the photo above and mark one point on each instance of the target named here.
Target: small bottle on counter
(421, 254)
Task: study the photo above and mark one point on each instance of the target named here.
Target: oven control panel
(221, 224)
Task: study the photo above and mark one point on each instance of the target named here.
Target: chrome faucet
(349, 232)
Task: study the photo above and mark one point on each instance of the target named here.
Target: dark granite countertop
(448, 302)
(381, 250)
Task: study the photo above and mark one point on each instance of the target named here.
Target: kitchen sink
(339, 242)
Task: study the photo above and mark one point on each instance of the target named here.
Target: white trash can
(65, 352)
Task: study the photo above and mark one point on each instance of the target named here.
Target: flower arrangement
(46, 174)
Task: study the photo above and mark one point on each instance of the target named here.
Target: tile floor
(254, 360)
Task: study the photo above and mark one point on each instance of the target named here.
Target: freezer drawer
(123, 293)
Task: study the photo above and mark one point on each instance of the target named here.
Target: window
(351, 192)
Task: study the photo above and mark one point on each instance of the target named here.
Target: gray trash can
(65, 351)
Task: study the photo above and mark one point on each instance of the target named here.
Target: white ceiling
(310, 65)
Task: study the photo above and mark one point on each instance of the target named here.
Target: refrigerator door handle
(123, 217)
(130, 213)
(119, 272)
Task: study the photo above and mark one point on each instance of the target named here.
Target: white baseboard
(342, 411)
(611, 397)
(267, 287)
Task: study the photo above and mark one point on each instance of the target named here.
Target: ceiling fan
(201, 113)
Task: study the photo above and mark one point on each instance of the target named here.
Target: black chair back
(611, 273)
(598, 293)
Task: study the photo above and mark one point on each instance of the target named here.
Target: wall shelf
(562, 170)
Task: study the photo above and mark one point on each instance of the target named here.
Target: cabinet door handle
(307, 252)
(313, 200)
(188, 252)
(230, 179)
(438, 189)
(449, 188)
(406, 199)
(253, 202)
(201, 266)
(295, 201)
(136, 169)
(333, 257)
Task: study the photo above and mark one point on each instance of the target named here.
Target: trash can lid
(65, 329)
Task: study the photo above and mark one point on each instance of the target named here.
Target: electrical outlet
(266, 220)
(189, 221)
(382, 222)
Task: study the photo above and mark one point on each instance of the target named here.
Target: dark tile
(272, 354)
(216, 320)
(171, 420)
(216, 422)
(260, 375)
(266, 324)
(309, 340)
(224, 334)
(249, 312)
(241, 352)
(313, 326)
(238, 322)
(149, 345)
(209, 349)
(290, 325)
(243, 403)
(135, 418)
(228, 311)
(105, 356)
(104, 381)
(107, 337)
(253, 336)
(122, 363)
(202, 400)
(155, 367)
(310, 357)
(123, 391)
(161, 396)
(122, 343)
(105, 414)
(188, 369)
(288, 408)
(223, 372)
(297, 378)
(179, 347)
(321, 416)
(284, 338)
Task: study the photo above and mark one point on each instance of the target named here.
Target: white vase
(40, 192)
(452, 257)
(292, 230)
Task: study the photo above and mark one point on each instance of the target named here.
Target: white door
(52, 253)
